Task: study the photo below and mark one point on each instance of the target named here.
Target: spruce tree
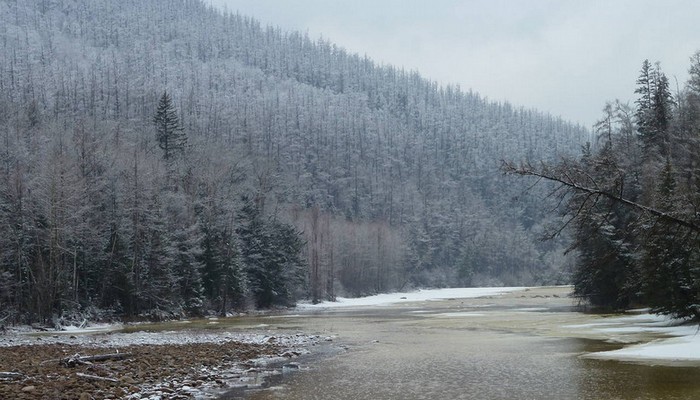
(604, 273)
(271, 255)
(662, 102)
(645, 91)
(169, 132)
(222, 275)
(654, 111)
(670, 284)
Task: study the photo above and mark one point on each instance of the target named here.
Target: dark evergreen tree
(169, 133)
(223, 279)
(670, 282)
(662, 103)
(645, 90)
(116, 285)
(605, 272)
(271, 254)
(654, 110)
(286, 260)
(185, 246)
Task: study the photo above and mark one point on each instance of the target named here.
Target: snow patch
(421, 295)
(94, 328)
(682, 345)
(682, 348)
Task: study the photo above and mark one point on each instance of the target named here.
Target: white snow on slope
(421, 295)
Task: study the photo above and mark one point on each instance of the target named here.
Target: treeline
(388, 179)
(634, 200)
(116, 224)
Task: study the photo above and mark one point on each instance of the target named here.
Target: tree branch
(568, 181)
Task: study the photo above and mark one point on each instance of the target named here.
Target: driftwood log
(4, 376)
(96, 378)
(77, 359)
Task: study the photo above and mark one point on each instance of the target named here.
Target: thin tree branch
(525, 170)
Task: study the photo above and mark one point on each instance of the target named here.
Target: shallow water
(506, 347)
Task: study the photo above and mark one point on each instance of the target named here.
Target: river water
(523, 345)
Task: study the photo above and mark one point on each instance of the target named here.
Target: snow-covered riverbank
(678, 343)
(413, 296)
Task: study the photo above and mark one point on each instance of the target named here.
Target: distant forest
(633, 199)
(163, 158)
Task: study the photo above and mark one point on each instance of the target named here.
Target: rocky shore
(143, 365)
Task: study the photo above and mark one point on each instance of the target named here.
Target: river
(521, 345)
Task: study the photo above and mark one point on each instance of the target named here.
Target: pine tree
(271, 253)
(604, 274)
(169, 132)
(653, 112)
(645, 89)
(669, 283)
(662, 103)
(222, 275)
(252, 235)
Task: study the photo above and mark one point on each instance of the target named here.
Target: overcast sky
(565, 57)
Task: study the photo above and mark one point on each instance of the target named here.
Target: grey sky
(565, 57)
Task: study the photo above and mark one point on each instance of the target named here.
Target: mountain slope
(393, 178)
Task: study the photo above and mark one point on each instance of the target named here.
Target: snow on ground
(420, 295)
(683, 348)
(682, 342)
(93, 328)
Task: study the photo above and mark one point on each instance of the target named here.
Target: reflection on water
(502, 348)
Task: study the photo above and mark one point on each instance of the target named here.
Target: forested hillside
(162, 158)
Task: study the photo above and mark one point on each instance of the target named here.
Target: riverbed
(526, 344)
(485, 343)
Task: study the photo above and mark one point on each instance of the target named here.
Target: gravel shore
(162, 365)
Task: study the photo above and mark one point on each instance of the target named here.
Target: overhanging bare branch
(567, 180)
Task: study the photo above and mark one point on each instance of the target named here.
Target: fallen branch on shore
(10, 375)
(77, 359)
(96, 378)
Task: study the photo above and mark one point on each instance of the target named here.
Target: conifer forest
(633, 199)
(164, 158)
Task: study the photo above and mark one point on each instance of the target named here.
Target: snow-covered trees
(634, 202)
(271, 253)
(102, 208)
